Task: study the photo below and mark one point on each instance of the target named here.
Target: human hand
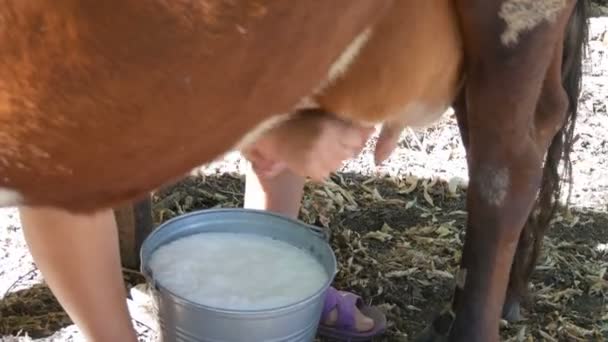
(312, 144)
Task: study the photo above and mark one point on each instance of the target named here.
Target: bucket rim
(156, 286)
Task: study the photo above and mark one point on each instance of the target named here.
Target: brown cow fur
(103, 101)
(408, 72)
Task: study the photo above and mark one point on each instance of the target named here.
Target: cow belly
(103, 102)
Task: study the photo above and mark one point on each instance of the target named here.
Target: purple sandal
(344, 329)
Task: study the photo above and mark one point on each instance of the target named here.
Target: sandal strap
(345, 303)
(346, 311)
(331, 300)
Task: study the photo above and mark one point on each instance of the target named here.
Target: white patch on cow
(525, 15)
(259, 130)
(461, 278)
(9, 197)
(347, 57)
(494, 184)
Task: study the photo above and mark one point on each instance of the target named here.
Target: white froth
(237, 271)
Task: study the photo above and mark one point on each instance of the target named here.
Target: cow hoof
(439, 330)
(511, 311)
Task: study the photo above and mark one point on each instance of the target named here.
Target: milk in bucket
(237, 271)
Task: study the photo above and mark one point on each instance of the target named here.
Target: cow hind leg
(562, 84)
(504, 84)
(549, 120)
(511, 308)
(555, 135)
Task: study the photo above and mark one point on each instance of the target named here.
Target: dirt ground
(397, 232)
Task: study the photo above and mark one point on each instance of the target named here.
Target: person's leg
(283, 194)
(80, 261)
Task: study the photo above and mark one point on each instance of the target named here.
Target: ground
(396, 231)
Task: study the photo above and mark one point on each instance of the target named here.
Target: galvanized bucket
(183, 320)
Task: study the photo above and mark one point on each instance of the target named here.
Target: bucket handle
(320, 232)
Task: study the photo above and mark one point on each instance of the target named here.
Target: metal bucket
(183, 320)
